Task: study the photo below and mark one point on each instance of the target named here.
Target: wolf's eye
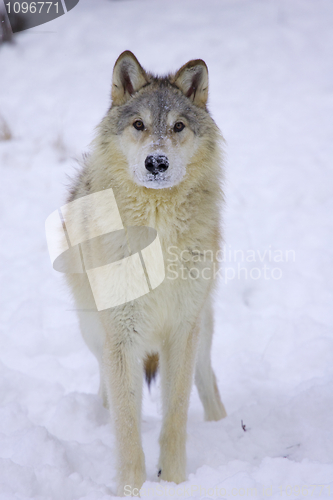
(138, 124)
(179, 126)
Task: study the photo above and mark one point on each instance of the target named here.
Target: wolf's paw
(215, 411)
(129, 488)
(171, 473)
(131, 478)
(172, 461)
(171, 476)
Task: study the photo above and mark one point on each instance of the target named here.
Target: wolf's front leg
(123, 379)
(177, 362)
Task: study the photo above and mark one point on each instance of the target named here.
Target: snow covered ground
(271, 93)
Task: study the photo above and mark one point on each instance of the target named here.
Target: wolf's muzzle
(156, 164)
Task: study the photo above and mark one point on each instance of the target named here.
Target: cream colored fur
(173, 319)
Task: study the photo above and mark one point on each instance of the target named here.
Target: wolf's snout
(156, 164)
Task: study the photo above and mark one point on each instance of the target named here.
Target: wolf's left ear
(192, 80)
(128, 77)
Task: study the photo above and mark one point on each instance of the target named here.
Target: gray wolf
(160, 151)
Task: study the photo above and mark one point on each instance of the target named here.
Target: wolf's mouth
(158, 181)
(156, 177)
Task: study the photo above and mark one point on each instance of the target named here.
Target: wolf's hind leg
(205, 379)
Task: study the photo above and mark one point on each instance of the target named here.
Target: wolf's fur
(182, 204)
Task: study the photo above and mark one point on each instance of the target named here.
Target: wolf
(160, 151)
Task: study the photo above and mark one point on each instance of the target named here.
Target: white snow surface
(271, 93)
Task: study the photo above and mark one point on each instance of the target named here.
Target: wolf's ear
(192, 79)
(128, 77)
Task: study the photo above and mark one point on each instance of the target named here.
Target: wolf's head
(158, 124)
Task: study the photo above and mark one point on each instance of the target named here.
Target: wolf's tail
(151, 367)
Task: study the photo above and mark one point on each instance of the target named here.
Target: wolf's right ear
(128, 77)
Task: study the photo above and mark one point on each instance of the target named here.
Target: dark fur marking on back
(151, 366)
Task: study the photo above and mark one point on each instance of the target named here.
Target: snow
(271, 95)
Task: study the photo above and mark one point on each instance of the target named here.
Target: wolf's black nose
(156, 164)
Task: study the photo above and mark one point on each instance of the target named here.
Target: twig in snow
(5, 132)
